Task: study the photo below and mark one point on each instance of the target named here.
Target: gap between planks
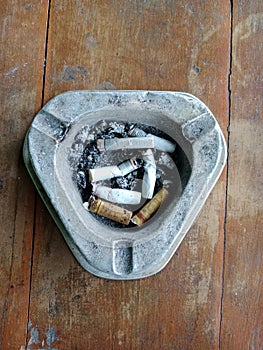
(36, 195)
(227, 167)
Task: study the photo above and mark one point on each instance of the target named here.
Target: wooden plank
(163, 45)
(243, 286)
(22, 53)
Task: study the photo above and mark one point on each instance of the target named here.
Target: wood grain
(161, 45)
(22, 54)
(243, 282)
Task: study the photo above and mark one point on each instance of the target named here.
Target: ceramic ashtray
(124, 174)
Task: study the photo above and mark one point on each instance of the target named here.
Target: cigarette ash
(89, 157)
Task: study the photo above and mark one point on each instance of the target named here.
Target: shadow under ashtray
(124, 174)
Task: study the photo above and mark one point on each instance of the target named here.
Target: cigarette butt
(150, 208)
(128, 166)
(117, 195)
(149, 177)
(159, 142)
(108, 172)
(104, 173)
(125, 143)
(108, 210)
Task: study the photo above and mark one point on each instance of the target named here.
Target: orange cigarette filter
(109, 210)
(150, 208)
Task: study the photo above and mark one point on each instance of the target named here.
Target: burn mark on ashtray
(127, 171)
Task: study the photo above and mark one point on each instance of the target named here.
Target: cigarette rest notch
(122, 257)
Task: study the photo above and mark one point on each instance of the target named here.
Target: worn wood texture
(210, 294)
(22, 56)
(164, 45)
(243, 278)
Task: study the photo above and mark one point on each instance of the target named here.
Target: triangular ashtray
(61, 145)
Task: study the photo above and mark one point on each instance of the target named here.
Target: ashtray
(124, 174)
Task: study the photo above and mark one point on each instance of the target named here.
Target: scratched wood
(22, 53)
(243, 283)
(160, 45)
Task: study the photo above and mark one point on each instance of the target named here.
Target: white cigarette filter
(149, 177)
(108, 172)
(159, 143)
(163, 144)
(125, 143)
(117, 195)
(104, 173)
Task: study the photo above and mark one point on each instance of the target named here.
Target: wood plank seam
(227, 165)
(10, 271)
(31, 271)
(35, 209)
(45, 54)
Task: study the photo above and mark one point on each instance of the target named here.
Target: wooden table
(210, 295)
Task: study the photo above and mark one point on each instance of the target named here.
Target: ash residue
(167, 174)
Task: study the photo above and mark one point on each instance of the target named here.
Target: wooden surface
(210, 295)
